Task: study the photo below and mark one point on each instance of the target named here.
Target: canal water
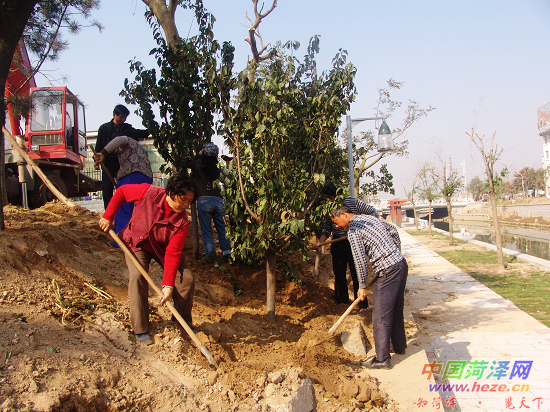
(529, 241)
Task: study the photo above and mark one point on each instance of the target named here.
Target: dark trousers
(138, 292)
(341, 259)
(387, 314)
(106, 184)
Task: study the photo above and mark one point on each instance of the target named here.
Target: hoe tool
(348, 310)
(328, 242)
(170, 306)
(104, 168)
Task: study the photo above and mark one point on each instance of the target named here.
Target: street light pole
(350, 124)
(522, 184)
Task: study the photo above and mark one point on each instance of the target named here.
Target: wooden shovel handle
(170, 306)
(104, 167)
(328, 242)
(348, 310)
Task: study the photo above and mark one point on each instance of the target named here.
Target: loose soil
(68, 345)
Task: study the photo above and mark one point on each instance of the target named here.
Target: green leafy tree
(475, 187)
(184, 91)
(528, 178)
(377, 182)
(189, 89)
(365, 146)
(539, 181)
(282, 133)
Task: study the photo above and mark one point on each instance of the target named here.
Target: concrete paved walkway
(488, 355)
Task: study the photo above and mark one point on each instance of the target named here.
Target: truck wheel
(41, 195)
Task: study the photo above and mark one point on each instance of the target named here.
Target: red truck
(54, 135)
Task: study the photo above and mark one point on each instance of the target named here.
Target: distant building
(544, 131)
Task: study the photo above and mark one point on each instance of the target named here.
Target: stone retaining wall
(533, 210)
(481, 211)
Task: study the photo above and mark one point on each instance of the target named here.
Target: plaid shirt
(357, 207)
(369, 237)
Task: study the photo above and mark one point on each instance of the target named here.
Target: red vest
(145, 223)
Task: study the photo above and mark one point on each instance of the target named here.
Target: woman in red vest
(157, 230)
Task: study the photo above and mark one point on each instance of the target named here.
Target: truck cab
(56, 129)
(55, 139)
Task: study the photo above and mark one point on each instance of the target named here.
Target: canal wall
(532, 210)
(482, 211)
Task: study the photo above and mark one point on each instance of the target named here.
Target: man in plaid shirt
(341, 251)
(370, 239)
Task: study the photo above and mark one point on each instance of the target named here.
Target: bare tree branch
(253, 31)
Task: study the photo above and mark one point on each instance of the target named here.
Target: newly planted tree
(490, 154)
(427, 188)
(282, 133)
(413, 192)
(448, 182)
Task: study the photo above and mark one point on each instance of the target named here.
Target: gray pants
(387, 313)
(138, 291)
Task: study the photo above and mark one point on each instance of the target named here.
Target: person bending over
(370, 239)
(157, 230)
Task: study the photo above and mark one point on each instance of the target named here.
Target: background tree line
(528, 182)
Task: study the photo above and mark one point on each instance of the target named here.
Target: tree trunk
(415, 216)
(195, 231)
(14, 15)
(498, 240)
(3, 191)
(430, 216)
(450, 213)
(270, 268)
(166, 18)
(317, 266)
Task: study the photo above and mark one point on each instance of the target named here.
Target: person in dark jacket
(341, 251)
(157, 230)
(210, 205)
(106, 133)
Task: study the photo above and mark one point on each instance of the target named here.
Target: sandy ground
(68, 346)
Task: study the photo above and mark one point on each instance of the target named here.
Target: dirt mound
(68, 344)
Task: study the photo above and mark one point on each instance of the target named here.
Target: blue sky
(449, 54)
